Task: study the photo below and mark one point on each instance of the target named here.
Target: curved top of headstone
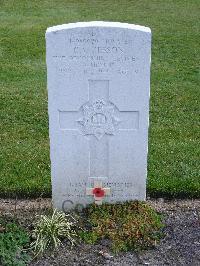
(97, 24)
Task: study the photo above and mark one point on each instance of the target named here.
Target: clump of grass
(130, 225)
(49, 231)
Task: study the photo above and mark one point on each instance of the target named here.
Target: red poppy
(98, 192)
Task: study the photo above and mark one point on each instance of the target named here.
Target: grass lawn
(174, 148)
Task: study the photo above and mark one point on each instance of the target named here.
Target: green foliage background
(173, 166)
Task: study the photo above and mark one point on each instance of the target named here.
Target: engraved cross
(98, 119)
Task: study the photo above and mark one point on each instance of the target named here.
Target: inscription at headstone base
(98, 78)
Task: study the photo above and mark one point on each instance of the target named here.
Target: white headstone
(98, 99)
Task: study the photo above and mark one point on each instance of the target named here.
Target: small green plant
(49, 231)
(89, 237)
(13, 240)
(130, 225)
